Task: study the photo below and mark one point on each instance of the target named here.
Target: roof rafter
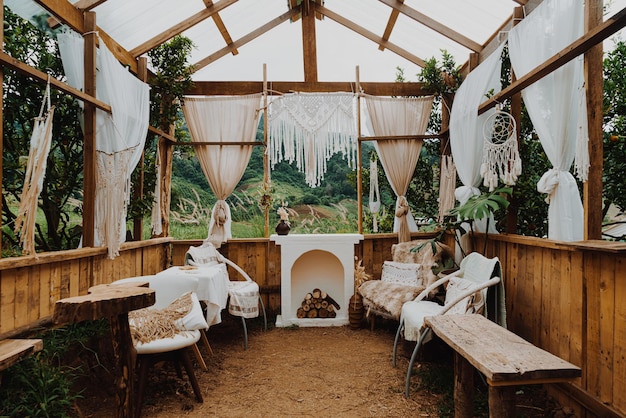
(390, 24)
(246, 38)
(181, 27)
(87, 5)
(221, 26)
(370, 35)
(433, 24)
(73, 17)
(579, 46)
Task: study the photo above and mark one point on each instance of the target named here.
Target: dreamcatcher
(500, 152)
(374, 201)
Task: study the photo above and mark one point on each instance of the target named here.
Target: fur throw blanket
(387, 298)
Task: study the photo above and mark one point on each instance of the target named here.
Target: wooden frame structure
(564, 297)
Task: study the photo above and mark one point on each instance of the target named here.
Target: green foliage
(614, 187)
(481, 206)
(171, 80)
(441, 78)
(58, 228)
(42, 385)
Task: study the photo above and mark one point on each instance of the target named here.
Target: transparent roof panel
(339, 49)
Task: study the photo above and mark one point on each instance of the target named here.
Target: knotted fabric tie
(402, 209)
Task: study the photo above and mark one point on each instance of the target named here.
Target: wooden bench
(14, 350)
(505, 359)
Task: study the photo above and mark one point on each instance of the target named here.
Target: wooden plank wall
(569, 299)
(30, 286)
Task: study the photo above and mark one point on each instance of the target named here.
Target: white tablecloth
(212, 287)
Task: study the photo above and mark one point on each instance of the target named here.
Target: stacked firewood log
(318, 304)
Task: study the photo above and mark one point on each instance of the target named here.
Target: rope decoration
(501, 151)
(374, 198)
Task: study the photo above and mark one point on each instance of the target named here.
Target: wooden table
(112, 302)
(504, 358)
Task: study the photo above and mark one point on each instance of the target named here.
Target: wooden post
(267, 181)
(89, 146)
(501, 401)
(463, 387)
(142, 74)
(309, 47)
(592, 188)
(359, 156)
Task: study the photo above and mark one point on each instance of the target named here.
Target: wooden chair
(466, 293)
(172, 348)
(243, 294)
(408, 273)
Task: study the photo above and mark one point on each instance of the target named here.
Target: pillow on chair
(183, 314)
(469, 305)
(408, 274)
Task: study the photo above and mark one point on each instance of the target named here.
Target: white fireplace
(315, 261)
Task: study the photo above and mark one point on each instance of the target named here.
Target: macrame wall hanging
(374, 198)
(500, 152)
(447, 185)
(309, 128)
(40, 141)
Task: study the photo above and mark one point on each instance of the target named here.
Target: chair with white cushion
(168, 329)
(244, 295)
(476, 288)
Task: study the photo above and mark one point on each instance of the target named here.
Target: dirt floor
(334, 371)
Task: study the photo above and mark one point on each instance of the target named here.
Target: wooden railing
(570, 299)
(31, 285)
(567, 298)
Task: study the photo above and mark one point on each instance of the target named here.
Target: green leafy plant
(43, 385)
(462, 219)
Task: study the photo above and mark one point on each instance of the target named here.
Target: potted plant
(462, 219)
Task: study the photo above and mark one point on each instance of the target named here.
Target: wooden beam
(213, 88)
(433, 24)
(390, 24)
(592, 188)
(90, 128)
(26, 69)
(161, 134)
(245, 39)
(66, 13)
(309, 42)
(180, 27)
(87, 5)
(221, 26)
(369, 35)
(581, 45)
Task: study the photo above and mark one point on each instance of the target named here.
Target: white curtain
(309, 128)
(393, 117)
(466, 128)
(222, 119)
(120, 136)
(557, 107)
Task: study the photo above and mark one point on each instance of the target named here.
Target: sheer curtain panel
(222, 119)
(394, 117)
(557, 108)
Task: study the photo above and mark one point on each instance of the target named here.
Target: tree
(63, 179)
(614, 187)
